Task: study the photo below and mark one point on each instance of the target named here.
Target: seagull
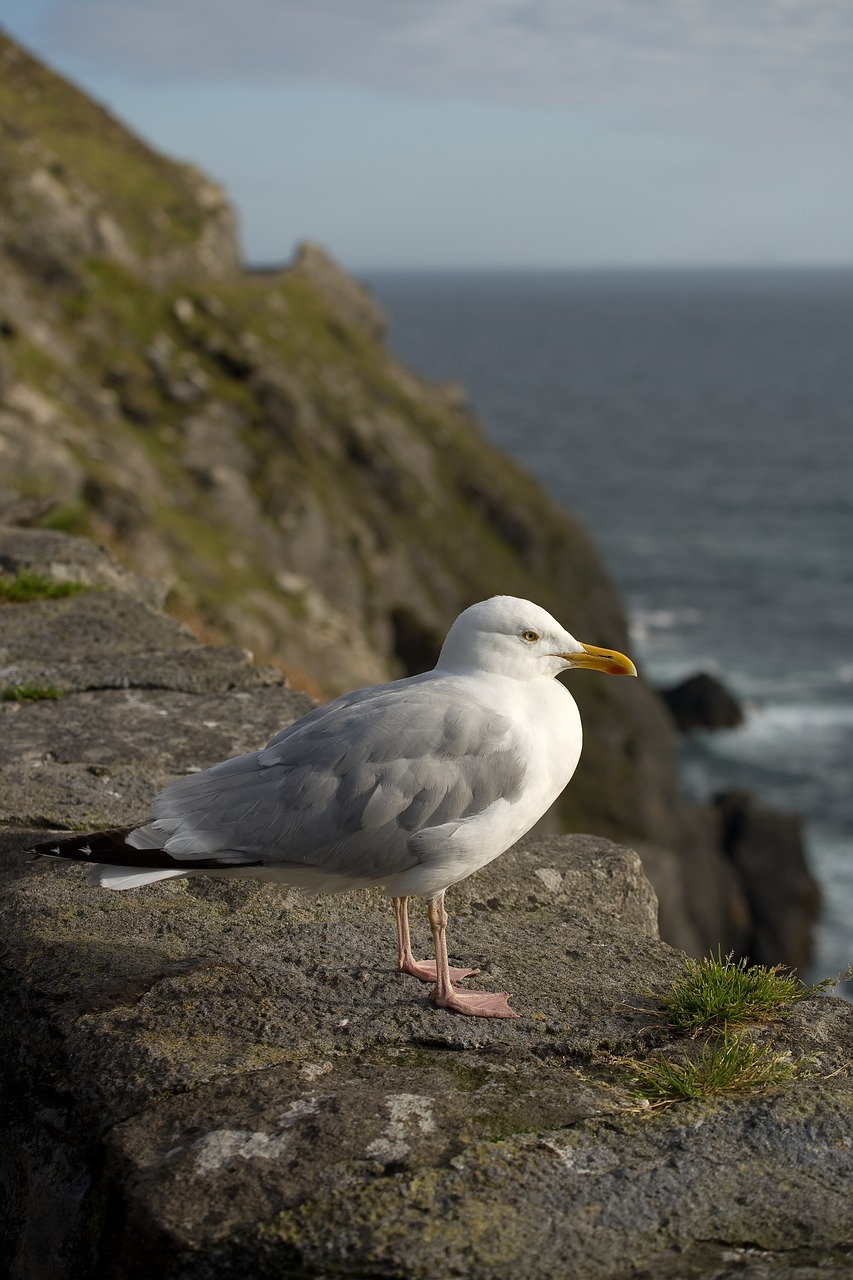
(410, 786)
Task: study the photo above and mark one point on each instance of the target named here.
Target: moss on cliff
(65, 137)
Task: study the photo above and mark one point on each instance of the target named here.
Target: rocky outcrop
(702, 702)
(117, 698)
(767, 851)
(245, 436)
(77, 185)
(208, 1079)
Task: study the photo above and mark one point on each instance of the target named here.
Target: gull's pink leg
(406, 962)
(478, 1004)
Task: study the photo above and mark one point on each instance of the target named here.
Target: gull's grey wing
(345, 788)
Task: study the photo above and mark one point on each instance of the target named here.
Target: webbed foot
(425, 970)
(476, 1004)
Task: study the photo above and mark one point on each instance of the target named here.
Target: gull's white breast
(549, 737)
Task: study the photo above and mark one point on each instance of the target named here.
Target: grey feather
(346, 788)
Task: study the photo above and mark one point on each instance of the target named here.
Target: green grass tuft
(69, 517)
(27, 586)
(30, 693)
(716, 992)
(725, 1064)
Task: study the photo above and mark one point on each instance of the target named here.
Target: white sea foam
(646, 623)
(799, 739)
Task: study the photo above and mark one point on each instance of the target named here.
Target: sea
(701, 425)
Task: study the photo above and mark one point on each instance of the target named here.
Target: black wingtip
(88, 847)
(111, 848)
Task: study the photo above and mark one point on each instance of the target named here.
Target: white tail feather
(126, 877)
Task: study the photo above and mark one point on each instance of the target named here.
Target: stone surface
(15, 510)
(210, 1078)
(63, 558)
(98, 759)
(352, 301)
(243, 1086)
(105, 641)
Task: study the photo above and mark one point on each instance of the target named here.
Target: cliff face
(248, 439)
(76, 184)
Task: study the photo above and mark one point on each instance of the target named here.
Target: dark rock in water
(767, 849)
(702, 702)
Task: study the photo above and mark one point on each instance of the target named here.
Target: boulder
(702, 702)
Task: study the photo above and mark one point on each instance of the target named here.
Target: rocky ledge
(207, 1079)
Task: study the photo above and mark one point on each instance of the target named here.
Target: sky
(490, 133)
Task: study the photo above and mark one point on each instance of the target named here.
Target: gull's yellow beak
(615, 664)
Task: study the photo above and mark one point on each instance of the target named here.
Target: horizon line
(267, 267)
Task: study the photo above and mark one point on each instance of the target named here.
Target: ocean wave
(646, 622)
(769, 720)
(793, 685)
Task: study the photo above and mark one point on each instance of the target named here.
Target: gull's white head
(510, 637)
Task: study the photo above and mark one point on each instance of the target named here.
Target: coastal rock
(346, 297)
(207, 1079)
(702, 702)
(66, 559)
(58, 209)
(15, 510)
(768, 852)
(210, 1079)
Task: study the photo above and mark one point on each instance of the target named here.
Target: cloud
(770, 57)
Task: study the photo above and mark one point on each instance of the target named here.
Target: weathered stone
(249, 1088)
(97, 759)
(15, 510)
(104, 641)
(63, 558)
(210, 1078)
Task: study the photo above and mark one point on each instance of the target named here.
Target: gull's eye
(530, 636)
